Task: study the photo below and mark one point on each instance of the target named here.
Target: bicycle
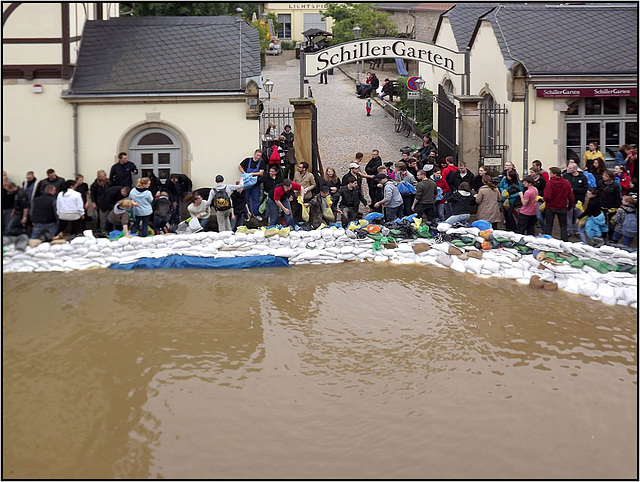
(402, 123)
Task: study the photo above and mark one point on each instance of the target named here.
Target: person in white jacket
(70, 209)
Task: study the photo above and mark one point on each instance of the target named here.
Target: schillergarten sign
(373, 48)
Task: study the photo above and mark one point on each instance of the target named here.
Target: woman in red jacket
(623, 178)
(442, 183)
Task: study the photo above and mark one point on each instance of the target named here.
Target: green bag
(263, 206)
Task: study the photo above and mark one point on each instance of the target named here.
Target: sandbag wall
(607, 274)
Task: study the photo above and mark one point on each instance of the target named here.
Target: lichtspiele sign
(552, 92)
(374, 48)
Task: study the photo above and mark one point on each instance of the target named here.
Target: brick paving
(343, 126)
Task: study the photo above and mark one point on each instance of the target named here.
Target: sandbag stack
(607, 273)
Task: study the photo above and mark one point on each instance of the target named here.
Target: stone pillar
(469, 130)
(302, 128)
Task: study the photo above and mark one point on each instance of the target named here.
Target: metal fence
(493, 131)
(280, 117)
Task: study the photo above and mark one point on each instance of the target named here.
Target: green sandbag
(625, 268)
(577, 263)
(458, 243)
(467, 240)
(375, 236)
(597, 265)
(423, 231)
(634, 270)
(502, 240)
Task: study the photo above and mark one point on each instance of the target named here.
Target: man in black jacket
(579, 185)
(455, 178)
(51, 179)
(98, 191)
(121, 172)
(178, 187)
(371, 169)
(348, 199)
(43, 214)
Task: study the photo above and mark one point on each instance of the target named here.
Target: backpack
(630, 225)
(221, 201)
(274, 157)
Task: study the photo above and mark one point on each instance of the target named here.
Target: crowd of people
(589, 201)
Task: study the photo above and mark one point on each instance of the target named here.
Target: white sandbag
(587, 288)
(78, 241)
(523, 281)
(225, 234)
(182, 244)
(338, 233)
(315, 234)
(513, 273)
(259, 236)
(490, 265)
(444, 259)
(473, 265)
(443, 227)
(124, 241)
(458, 265)
(135, 241)
(347, 256)
(327, 234)
(346, 249)
(380, 259)
(39, 255)
(442, 247)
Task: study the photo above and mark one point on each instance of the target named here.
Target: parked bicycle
(403, 123)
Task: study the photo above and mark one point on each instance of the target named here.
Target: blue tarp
(181, 262)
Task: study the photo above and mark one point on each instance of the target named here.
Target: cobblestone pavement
(343, 125)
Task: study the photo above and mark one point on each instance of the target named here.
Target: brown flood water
(350, 371)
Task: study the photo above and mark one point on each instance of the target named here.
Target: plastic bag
(406, 188)
(247, 180)
(305, 209)
(263, 206)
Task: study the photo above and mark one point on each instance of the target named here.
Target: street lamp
(268, 87)
(357, 31)
(419, 84)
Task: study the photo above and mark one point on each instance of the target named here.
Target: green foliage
(186, 9)
(424, 106)
(347, 15)
(263, 29)
(288, 45)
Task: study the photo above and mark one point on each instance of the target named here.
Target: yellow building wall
(43, 20)
(546, 130)
(37, 130)
(41, 134)
(297, 11)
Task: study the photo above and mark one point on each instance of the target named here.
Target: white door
(157, 151)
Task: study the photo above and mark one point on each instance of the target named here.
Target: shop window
(593, 106)
(574, 108)
(611, 106)
(632, 106)
(284, 25)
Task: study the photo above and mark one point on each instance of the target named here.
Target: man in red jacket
(558, 195)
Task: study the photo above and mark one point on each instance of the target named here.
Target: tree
(347, 15)
(186, 9)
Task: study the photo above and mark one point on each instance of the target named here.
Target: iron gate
(446, 125)
(278, 116)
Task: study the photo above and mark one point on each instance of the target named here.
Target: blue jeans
(273, 211)
(540, 216)
(288, 218)
(238, 221)
(253, 198)
(457, 218)
(38, 229)
(204, 222)
(572, 220)
(144, 220)
(440, 210)
(392, 213)
(626, 240)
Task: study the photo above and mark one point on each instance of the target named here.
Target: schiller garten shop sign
(374, 48)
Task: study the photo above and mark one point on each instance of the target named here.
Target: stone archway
(153, 124)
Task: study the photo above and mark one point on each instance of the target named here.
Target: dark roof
(413, 6)
(165, 54)
(313, 32)
(568, 39)
(463, 19)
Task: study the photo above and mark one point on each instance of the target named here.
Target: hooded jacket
(460, 202)
(558, 193)
(142, 196)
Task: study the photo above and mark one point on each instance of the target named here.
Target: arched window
(156, 151)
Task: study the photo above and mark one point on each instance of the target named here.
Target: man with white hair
(579, 185)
